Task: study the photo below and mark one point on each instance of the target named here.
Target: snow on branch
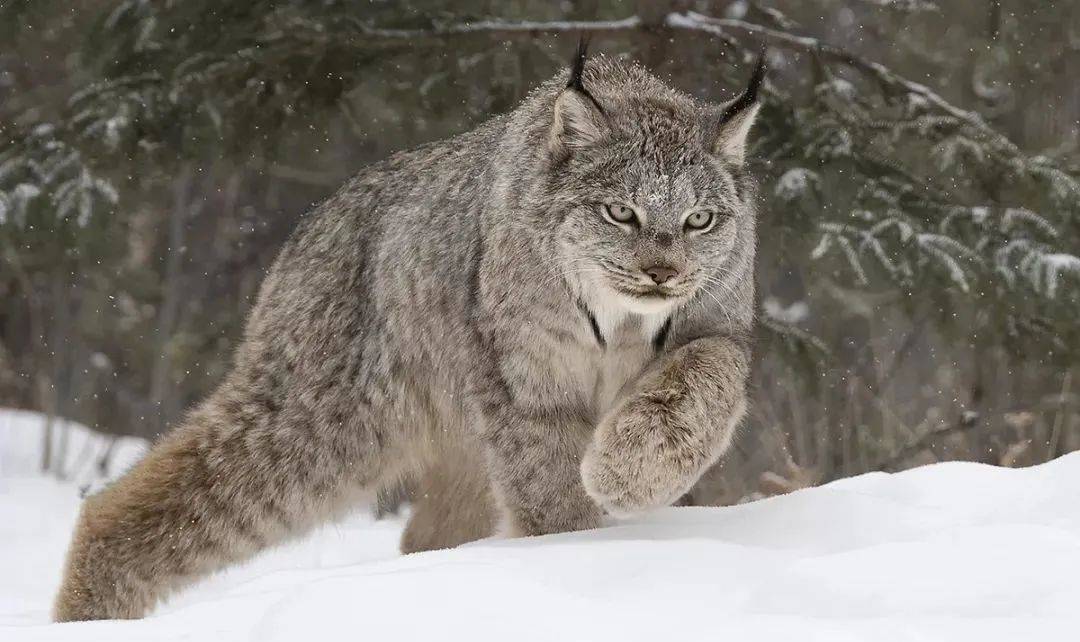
(904, 6)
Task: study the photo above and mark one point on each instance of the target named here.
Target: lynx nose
(661, 274)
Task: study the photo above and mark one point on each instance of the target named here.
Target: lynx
(543, 320)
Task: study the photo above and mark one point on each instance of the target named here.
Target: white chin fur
(611, 306)
(641, 305)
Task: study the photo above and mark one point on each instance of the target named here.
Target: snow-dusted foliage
(797, 183)
(899, 172)
(913, 192)
(45, 175)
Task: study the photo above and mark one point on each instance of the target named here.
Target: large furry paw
(574, 511)
(643, 455)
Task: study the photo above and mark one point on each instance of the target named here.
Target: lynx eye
(621, 214)
(700, 219)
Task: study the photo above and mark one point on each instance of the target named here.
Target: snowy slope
(946, 552)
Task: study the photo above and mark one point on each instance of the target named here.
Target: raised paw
(645, 454)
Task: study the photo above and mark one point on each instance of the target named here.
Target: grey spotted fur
(465, 314)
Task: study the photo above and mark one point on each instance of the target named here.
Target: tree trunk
(160, 390)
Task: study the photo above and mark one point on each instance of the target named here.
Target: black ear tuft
(750, 94)
(577, 68)
(737, 117)
(577, 72)
(578, 120)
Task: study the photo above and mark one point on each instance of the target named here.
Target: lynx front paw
(644, 455)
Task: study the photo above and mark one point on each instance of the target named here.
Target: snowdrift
(953, 551)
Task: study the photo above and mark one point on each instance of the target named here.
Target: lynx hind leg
(216, 490)
(451, 504)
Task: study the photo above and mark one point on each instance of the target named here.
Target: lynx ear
(579, 120)
(737, 117)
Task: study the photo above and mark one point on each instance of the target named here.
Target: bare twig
(1059, 420)
(925, 442)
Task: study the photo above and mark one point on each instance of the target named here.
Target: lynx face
(649, 231)
(651, 188)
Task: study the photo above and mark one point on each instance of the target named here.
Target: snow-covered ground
(946, 552)
(76, 450)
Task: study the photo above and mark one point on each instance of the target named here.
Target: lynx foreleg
(681, 416)
(535, 456)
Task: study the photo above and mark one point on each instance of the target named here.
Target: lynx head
(651, 182)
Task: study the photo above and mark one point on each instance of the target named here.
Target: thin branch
(498, 27)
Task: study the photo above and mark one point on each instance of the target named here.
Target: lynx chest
(624, 346)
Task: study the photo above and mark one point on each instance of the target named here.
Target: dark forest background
(920, 204)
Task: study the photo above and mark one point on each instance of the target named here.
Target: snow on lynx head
(653, 185)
